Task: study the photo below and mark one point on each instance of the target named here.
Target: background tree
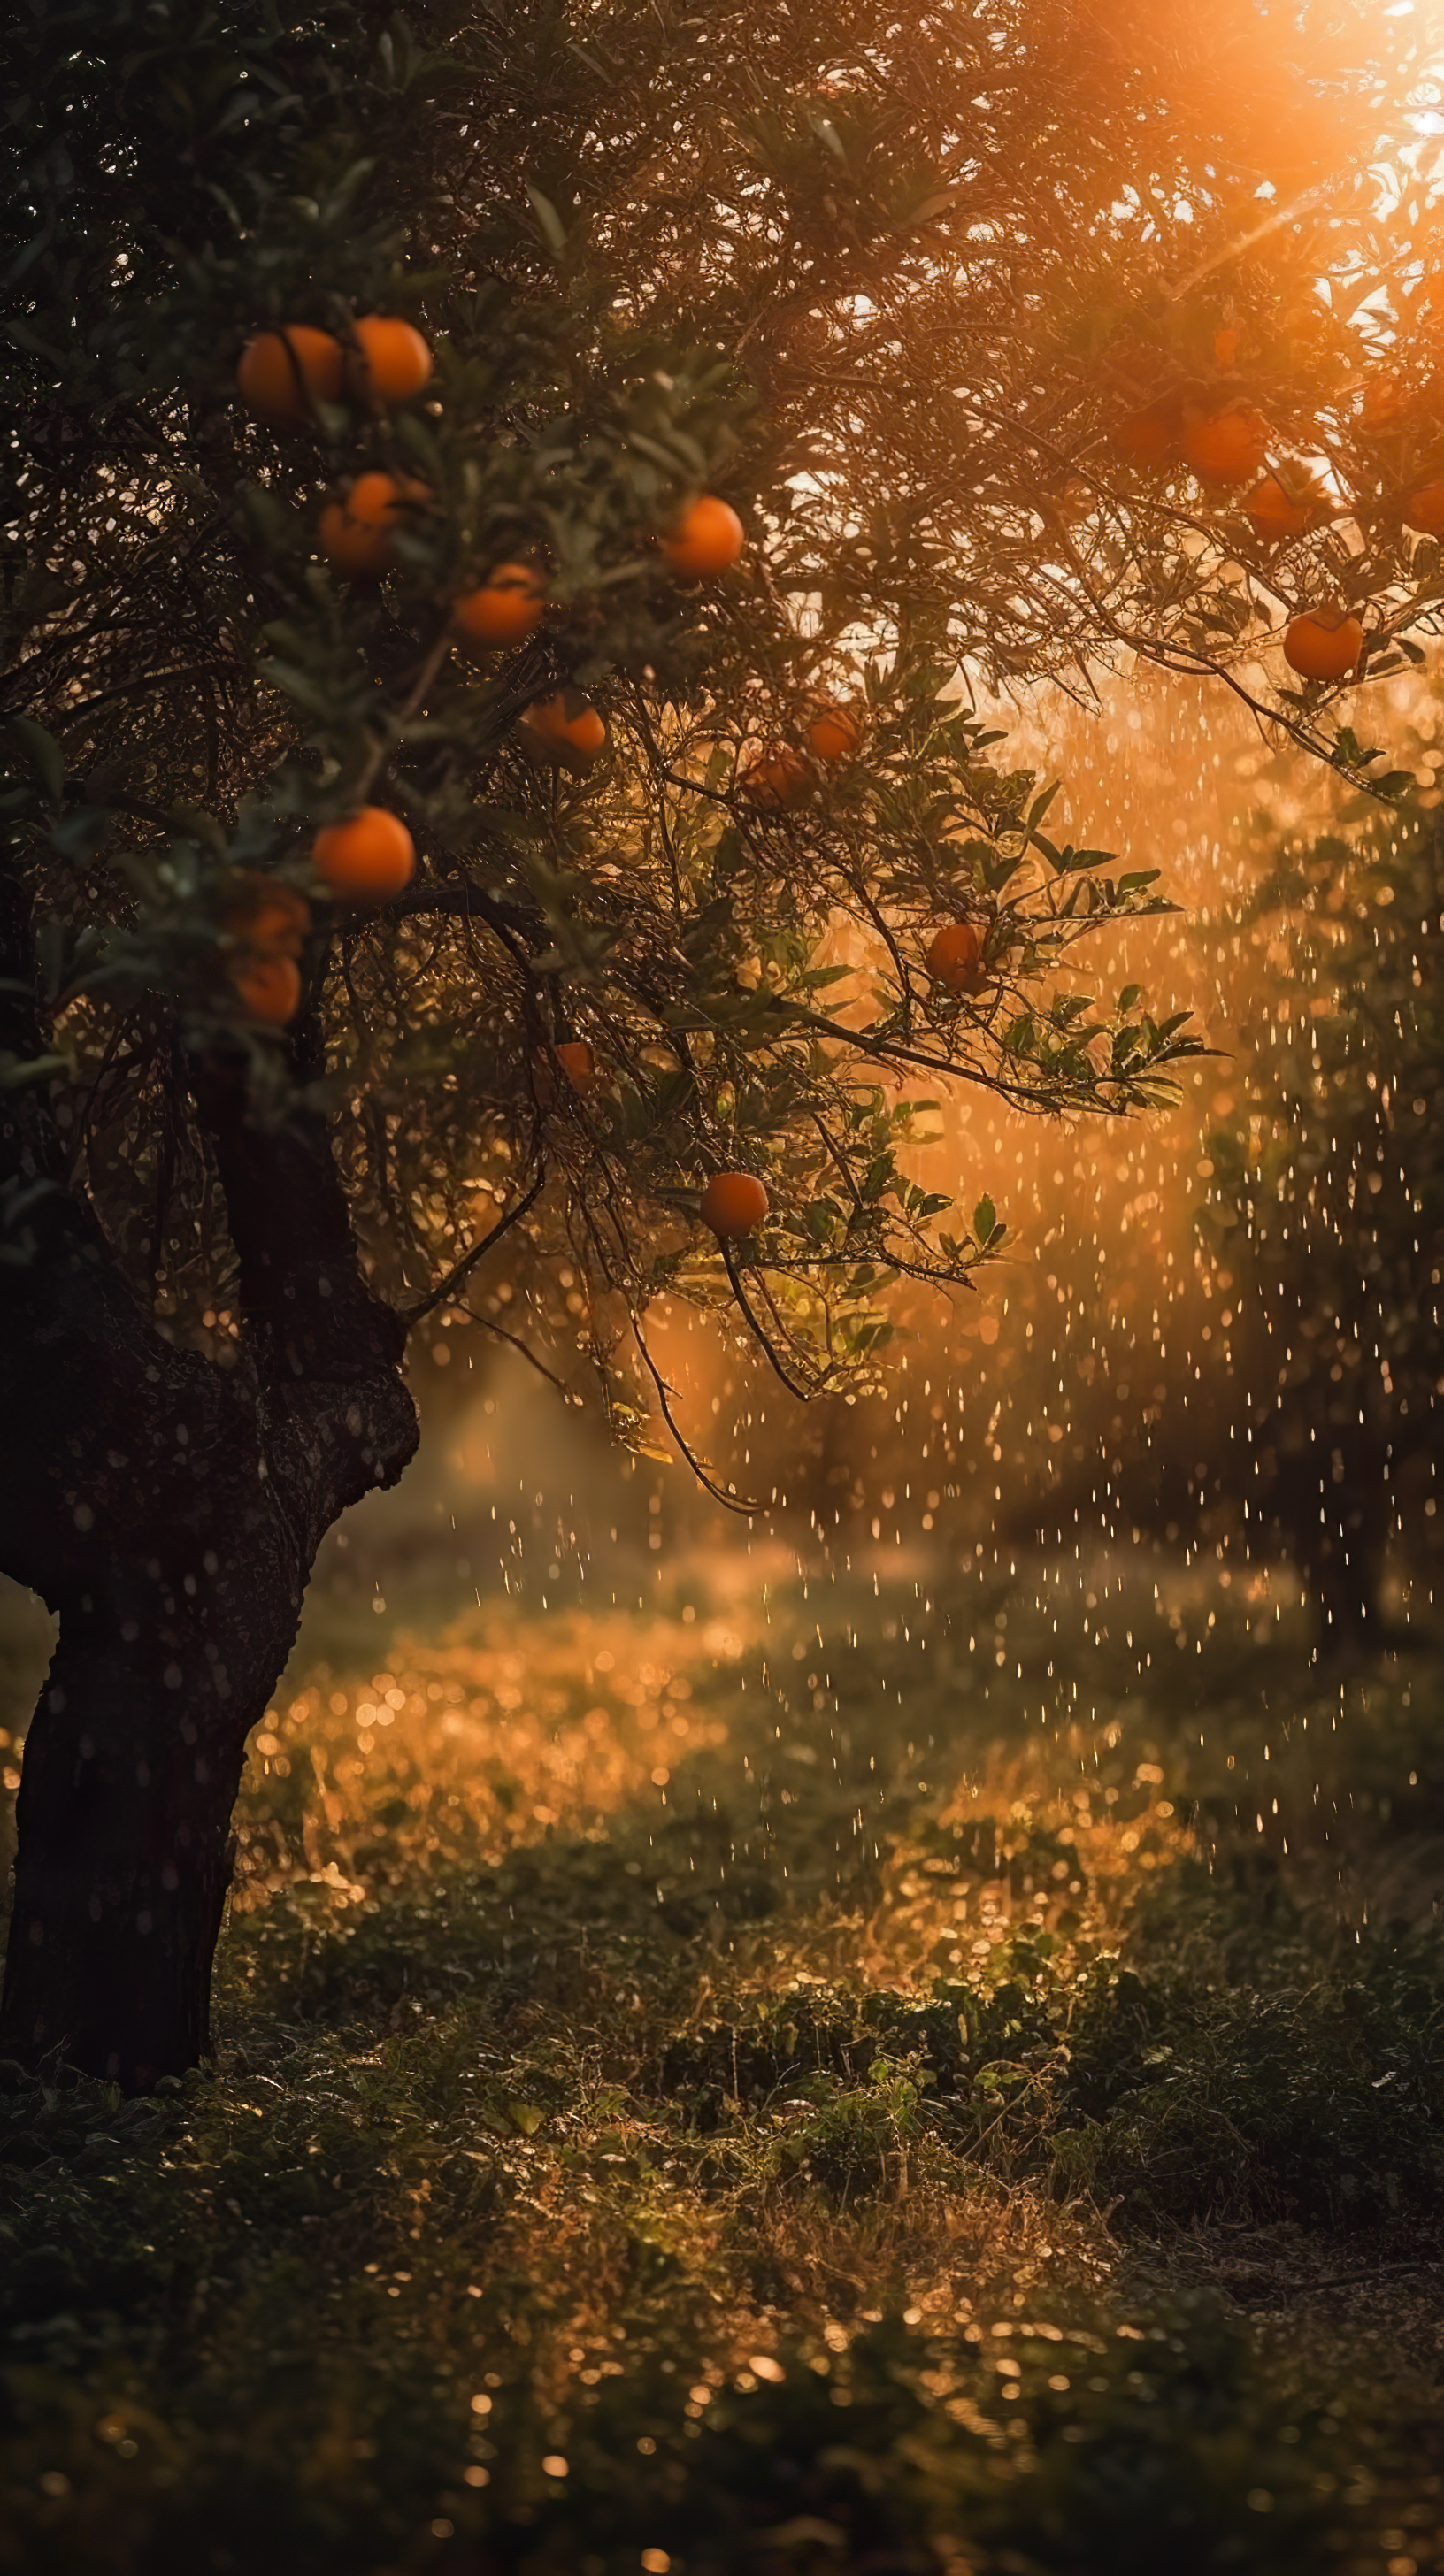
(1326, 1210)
(958, 347)
(1298, 1411)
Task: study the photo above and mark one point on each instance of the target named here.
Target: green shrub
(1102, 2446)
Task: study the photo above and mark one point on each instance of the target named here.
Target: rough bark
(169, 1512)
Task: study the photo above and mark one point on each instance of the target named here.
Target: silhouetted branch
(489, 1325)
(445, 1290)
(804, 1394)
(729, 1502)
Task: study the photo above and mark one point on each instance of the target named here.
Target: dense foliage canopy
(944, 306)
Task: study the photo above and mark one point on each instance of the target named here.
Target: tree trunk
(131, 1771)
(170, 1511)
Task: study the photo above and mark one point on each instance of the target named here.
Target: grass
(904, 2084)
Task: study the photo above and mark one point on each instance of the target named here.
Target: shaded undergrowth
(672, 2118)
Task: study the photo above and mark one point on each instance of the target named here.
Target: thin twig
(445, 1290)
(382, 750)
(729, 1502)
(489, 1325)
(1242, 242)
(144, 680)
(802, 1393)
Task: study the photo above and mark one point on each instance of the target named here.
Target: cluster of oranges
(283, 376)
(267, 925)
(368, 858)
(1225, 443)
(780, 777)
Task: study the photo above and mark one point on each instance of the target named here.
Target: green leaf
(828, 136)
(17, 1071)
(985, 1219)
(43, 754)
(298, 685)
(550, 221)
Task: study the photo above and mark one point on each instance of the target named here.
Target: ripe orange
(578, 1061)
(1274, 513)
(507, 609)
(371, 856)
(706, 538)
(1323, 644)
(356, 532)
(955, 957)
(565, 730)
(282, 373)
(1226, 447)
(390, 361)
(776, 779)
(834, 734)
(270, 988)
(1424, 509)
(269, 918)
(734, 1203)
(1148, 439)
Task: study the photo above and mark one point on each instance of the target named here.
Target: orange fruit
(507, 609)
(578, 1061)
(776, 779)
(390, 361)
(834, 734)
(706, 538)
(955, 957)
(1323, 644)
(356, 532)
(1227, 447)
(282, 373)
(269, 918)
(370, 856)
(734, 1203)
(1148, 439)
(565, 730)
(1424, 509)
(1273, 513)
(270, 988)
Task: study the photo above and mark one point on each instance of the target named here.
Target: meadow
(940, 2071)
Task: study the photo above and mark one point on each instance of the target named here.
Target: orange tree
(496, 509)
(1325, 1212)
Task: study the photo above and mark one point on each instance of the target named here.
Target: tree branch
(730, 1502)
(803, 1394)
(445, 1290)
(336, 1417)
